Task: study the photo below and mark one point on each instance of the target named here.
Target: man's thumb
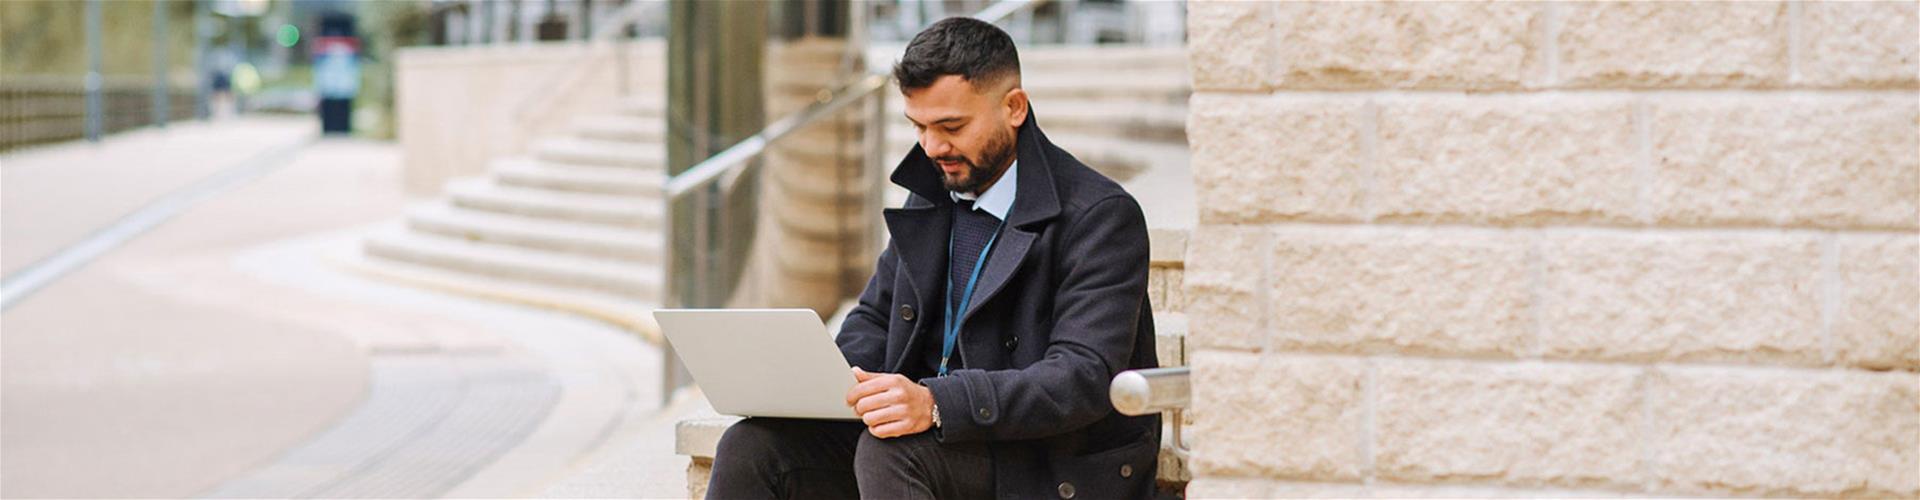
(861, 375)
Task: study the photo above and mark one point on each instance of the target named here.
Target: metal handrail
(737, 155)
(713, 167)
(1154, 390)
(1151, 390)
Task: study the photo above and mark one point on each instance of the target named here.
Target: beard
(979, 171)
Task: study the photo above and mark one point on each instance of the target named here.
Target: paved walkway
(226, 353)
(55, 195)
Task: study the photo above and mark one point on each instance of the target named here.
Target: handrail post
(669, 360)
(162, 111)
(94, 82)
(876, 168)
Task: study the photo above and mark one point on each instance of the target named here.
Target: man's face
(967, 132)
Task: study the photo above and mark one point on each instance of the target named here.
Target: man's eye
(950, 129)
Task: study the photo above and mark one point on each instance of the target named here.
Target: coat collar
(1035, 199)
(998, 200)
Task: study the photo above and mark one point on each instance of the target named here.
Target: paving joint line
(38, 275)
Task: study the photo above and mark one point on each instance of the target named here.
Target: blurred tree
(46, 37)
(385, 27)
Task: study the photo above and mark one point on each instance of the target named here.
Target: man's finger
(876, 401)
(892, 429)
(883, 415)
(860, 375)
(870, 387)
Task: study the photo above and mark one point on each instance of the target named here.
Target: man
(1013, 290)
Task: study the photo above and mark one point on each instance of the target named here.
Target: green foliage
(48, 37)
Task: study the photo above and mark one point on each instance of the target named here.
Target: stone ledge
(700, 437)
(1167, 247)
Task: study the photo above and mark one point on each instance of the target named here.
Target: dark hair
(974, 49)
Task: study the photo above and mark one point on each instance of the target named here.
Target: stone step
(648, 106)
(1041, 59)
(631, 245)
(1122, 90)
(640, 282)
(1154, 121)
(1126, 91)
(1164, 123)
(1120, 158)
(601, 153)
(622, 128)
(530, 173)
(623, 211)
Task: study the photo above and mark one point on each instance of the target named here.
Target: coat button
(1012, 342)
(906, 312)
(984, 413)
(1126, 470)
(1066, 490)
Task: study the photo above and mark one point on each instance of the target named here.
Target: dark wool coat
(1059, 310)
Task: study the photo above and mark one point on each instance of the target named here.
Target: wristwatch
(936, 415)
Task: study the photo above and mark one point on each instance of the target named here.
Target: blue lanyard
(952, 325)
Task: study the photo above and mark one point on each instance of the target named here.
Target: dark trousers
(792, 458)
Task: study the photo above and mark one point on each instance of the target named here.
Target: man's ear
(1015, 105)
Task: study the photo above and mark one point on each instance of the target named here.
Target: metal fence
(43, 110)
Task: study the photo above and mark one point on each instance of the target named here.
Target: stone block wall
(1493, 249)
(459, 107)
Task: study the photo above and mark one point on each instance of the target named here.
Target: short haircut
(976, 50)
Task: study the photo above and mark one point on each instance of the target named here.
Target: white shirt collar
(998, 200)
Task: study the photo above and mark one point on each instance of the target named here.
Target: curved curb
(640, 323)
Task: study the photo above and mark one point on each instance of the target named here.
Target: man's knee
(749, 439)
(784, 458)
(808, 443)
(884, 460)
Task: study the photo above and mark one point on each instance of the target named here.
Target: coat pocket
(1124, 472)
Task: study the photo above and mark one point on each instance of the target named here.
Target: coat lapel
(1035, 203)
(919, 232)
(920, 229)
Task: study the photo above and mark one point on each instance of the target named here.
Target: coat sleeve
(863, 335)
(1095, 317)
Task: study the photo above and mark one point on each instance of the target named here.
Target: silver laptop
(762, 362)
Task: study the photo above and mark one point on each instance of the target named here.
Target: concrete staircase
(574, 224)
(575, 220)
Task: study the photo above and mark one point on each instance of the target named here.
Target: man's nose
(935, 146)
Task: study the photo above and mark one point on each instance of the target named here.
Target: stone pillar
(816, 235)
(816, 215)
(1519, 249)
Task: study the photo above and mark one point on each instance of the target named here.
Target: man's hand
(890, 404)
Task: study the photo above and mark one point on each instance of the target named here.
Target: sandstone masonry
(1520, 249)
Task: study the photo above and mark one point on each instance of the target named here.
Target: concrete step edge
(593, 240)
(630, 129)
(484, 194)
(548, 268)
(530, 173)
(627, 313)
(598, 152)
